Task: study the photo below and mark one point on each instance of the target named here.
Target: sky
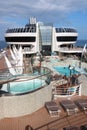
(61, 13)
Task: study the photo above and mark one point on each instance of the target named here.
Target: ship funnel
(32, 20)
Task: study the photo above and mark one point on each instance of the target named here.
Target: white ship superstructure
(27, 37)
(37, 36)
(64, 40)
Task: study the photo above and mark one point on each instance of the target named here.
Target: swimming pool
(23, 86)
(66, 70)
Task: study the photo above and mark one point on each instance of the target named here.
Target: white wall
(14, 106)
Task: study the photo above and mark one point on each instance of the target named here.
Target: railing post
(28, 127)
(80, 87)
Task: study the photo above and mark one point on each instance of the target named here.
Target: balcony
(70, 50)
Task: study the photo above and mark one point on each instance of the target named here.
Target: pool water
(66, 71)
(54, 60)
(25, 86)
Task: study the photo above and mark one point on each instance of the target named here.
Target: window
(20, 39)
(62, 39)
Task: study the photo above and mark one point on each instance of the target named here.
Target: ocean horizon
(79, 43)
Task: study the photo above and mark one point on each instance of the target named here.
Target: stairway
(27, 65)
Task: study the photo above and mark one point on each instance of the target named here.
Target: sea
(79, 43)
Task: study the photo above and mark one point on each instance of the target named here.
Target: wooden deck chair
(53, 108)
(83, 127)
(69, 106)
(71, 128)
(82, 104)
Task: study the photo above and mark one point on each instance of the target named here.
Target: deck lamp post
(80, 61)
(39, 56)
(70, 70)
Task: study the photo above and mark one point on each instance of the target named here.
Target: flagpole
(80, 61)
(83, 51)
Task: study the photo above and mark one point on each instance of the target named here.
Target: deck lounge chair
(71, 128)
(83, 127)
(69, 106)
(53, 108)
(82, 104)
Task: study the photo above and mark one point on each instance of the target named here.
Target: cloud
(26, 7)
(45, 10)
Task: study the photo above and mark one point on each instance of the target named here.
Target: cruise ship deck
(41, 120)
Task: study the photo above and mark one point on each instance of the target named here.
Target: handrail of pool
(24, 77)
(18, 94)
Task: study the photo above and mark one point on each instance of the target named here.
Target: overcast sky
(62, 13)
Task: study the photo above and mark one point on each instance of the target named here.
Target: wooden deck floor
(41, 120)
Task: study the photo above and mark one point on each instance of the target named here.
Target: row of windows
(33, 39)
(20, 39)
(46, 47)
(30, 25)
(62, 39)
(58, 30)
(16, 30)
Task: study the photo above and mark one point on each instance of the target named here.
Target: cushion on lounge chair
(52, 108)
(71, 128)
(82, 104)
(69, 106)
(83, 127)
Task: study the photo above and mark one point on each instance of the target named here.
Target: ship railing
(18, 30)
(65, 90)
(69, 49)
(62, 30)
(28, 49)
